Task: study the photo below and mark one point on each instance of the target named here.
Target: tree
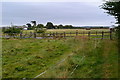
(34, 23)
(29, 26)
(60, 26)
(113, 8)
(68, 26)
(50, 25)
(40, 26)
(56, 26)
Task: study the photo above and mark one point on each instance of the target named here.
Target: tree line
(49, 25)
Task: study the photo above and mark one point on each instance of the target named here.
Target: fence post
(70, 34)
(76, 33)
(30, 34)
(34, 34)
(50, 34)
(56, 34)
(89, 34)
(110, 35)
(64, 35)
(53, 35)
(102, 34)
(96, 33)
(21, 35)
(83, 33)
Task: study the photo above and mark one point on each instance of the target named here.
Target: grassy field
(68, 30)
(74, 30)
(96, 62)
(64, 58)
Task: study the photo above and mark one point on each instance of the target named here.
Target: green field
(74, 30)
(64, 58)
(68, 30)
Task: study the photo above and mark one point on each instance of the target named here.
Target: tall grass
(65, 58)
(89, 61)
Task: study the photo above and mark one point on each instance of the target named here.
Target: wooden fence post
(89, 34)
(56, 34)
(110, 35)
(30, 34)
(96, 33)
(21, 35)
(83, 33)
(34, 34)
(70, 34)
(64, 35)
(50, 34)
(76, 33)
(102, 34)
(53, 35)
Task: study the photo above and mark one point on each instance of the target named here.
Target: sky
(78, 13)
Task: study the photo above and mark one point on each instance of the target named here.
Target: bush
(30, 28)
(12, 31)
(40, 30)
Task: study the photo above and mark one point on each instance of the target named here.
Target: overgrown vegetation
(92, 60)
(27, 58)
(11, 31)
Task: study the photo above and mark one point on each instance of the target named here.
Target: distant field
(64, 58)
(74, 30)
(68, 30)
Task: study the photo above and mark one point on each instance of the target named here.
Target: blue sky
(73, 13)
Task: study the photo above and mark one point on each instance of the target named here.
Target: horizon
(53, 24)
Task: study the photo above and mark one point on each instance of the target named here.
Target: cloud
(76, 13)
